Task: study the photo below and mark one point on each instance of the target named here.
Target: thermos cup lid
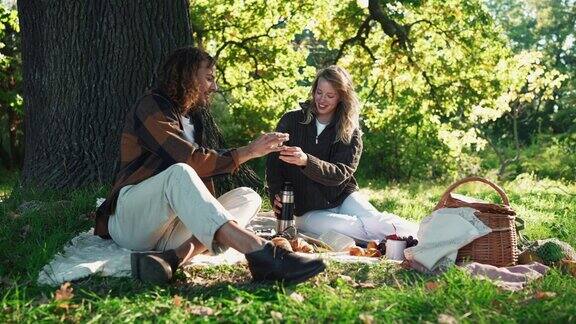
(287, 186)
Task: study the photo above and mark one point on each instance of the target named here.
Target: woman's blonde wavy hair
(177, 76)
(347, 110)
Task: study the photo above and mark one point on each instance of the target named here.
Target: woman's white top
(319, 127)
(188, 129)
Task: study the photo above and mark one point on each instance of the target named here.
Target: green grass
(7, 182)
(29, 237)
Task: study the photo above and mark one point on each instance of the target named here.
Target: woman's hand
(293, 155)
(277, 207)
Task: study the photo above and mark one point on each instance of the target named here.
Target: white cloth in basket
(441, 234)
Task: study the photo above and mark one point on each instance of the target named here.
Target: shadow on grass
(229, 282)
(225, 287)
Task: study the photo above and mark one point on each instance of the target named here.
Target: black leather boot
(154, 267)
(274, 263)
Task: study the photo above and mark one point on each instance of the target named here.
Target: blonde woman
(320, 160)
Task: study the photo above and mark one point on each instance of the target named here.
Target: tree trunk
(84, 65)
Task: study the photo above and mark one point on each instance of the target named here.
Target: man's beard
(205, 101)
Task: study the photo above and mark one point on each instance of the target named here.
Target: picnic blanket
(88, 254)
(508, 278)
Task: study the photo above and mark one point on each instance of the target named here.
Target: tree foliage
(11, 113)
(439, 80)
(548, 27)
(432, 75)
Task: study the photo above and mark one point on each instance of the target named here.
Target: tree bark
(84, 65)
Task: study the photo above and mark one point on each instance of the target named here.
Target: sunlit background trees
(448, 87)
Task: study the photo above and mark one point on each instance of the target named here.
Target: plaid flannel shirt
(152, 140)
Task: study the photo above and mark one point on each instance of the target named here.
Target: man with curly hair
(162, 201)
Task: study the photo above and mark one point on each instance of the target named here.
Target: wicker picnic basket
(498, 248)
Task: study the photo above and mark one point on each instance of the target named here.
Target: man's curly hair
(177, 76)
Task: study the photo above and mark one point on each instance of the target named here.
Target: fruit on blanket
(356, 251)
(295, 243)
(550, 252)
(306, 248)
(372, 252)
(282, 243)
(299, 245)
(382, 247)
(372, 245)
(393, 237)
(410, 241)
(569, 266)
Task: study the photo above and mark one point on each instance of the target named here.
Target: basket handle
(458, 183)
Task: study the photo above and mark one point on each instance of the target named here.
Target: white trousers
(356, 218)
(164, 211)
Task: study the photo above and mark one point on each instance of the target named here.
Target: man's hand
(293, 155)
(277, 207)
(266, 143)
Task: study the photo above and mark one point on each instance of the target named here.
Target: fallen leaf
(431, 285)
(199, 281)
(13, 215)
(200, 310)
(177, 301)
(343, 280)
(366, 285)
(297, 297)
(570, 266)
(316, 281)
(366, 318)
(276, 315)
(64, 293)
(542, 295)
(346, 278)
(447, 319)
(406, 264)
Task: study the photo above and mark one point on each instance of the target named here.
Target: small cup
(395, 249)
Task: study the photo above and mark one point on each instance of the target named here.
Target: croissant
(282, 243)
(356, 251)
(300, 245)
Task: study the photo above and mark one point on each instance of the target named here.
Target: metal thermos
(286, 217)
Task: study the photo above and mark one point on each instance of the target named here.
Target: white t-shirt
(188, 129)
(319, 127)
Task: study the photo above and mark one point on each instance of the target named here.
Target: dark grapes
(410, 242)
(382, 247)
